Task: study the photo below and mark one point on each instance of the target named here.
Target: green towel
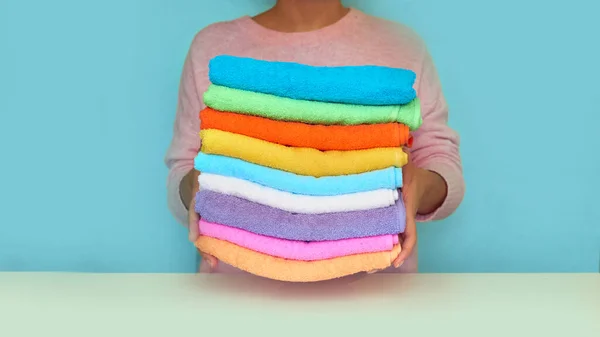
(310, 112)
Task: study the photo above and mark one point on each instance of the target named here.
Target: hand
(410, 196)
(194, 233)
(193, 218)
(423, 192)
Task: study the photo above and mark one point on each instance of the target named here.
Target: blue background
(87, 100)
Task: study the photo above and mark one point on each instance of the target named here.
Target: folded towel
(390, 178)
(320, 137)
(264, 220)
(311, 112)
(298, 250)
(365, 84)
(300, 160)
(297, 203)
(291, 270)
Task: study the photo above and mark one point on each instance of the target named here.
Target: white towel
(297, 203)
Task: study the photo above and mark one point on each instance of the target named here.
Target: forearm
(435, 191)
(188, 187)
(185, 141)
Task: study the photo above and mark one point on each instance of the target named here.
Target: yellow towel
(299, 160)
(292, 270)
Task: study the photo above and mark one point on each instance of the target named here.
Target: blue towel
(264, 220)
(388, 178)
(365, 85)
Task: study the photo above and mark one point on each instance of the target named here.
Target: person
(323, 32)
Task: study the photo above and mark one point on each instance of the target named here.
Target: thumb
(409, 237)
(193, 230)
(193, 219)
(408, 243)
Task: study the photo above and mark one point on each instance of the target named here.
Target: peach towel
(291, 270)
(296, 134)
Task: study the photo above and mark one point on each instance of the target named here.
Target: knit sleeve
(436, 145)
(185, 141)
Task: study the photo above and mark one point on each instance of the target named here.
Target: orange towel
(291, 270)
(321, 137)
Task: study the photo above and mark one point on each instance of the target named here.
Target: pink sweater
(356, 39)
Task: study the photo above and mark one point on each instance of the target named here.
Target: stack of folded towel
(300, 166)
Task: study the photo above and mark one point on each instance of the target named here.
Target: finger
(205, 265)
(410, 232)
(409, 241)
(211, 260)
(407, 247)
(193, 225)
(193, 231)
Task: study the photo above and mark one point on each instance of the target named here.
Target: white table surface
(71, 304)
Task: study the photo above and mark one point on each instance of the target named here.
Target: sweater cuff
(455, 191)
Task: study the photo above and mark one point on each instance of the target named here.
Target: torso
(357, 39)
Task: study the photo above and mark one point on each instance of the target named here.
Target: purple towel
(264, 220)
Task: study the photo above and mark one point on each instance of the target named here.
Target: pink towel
(298, 250)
